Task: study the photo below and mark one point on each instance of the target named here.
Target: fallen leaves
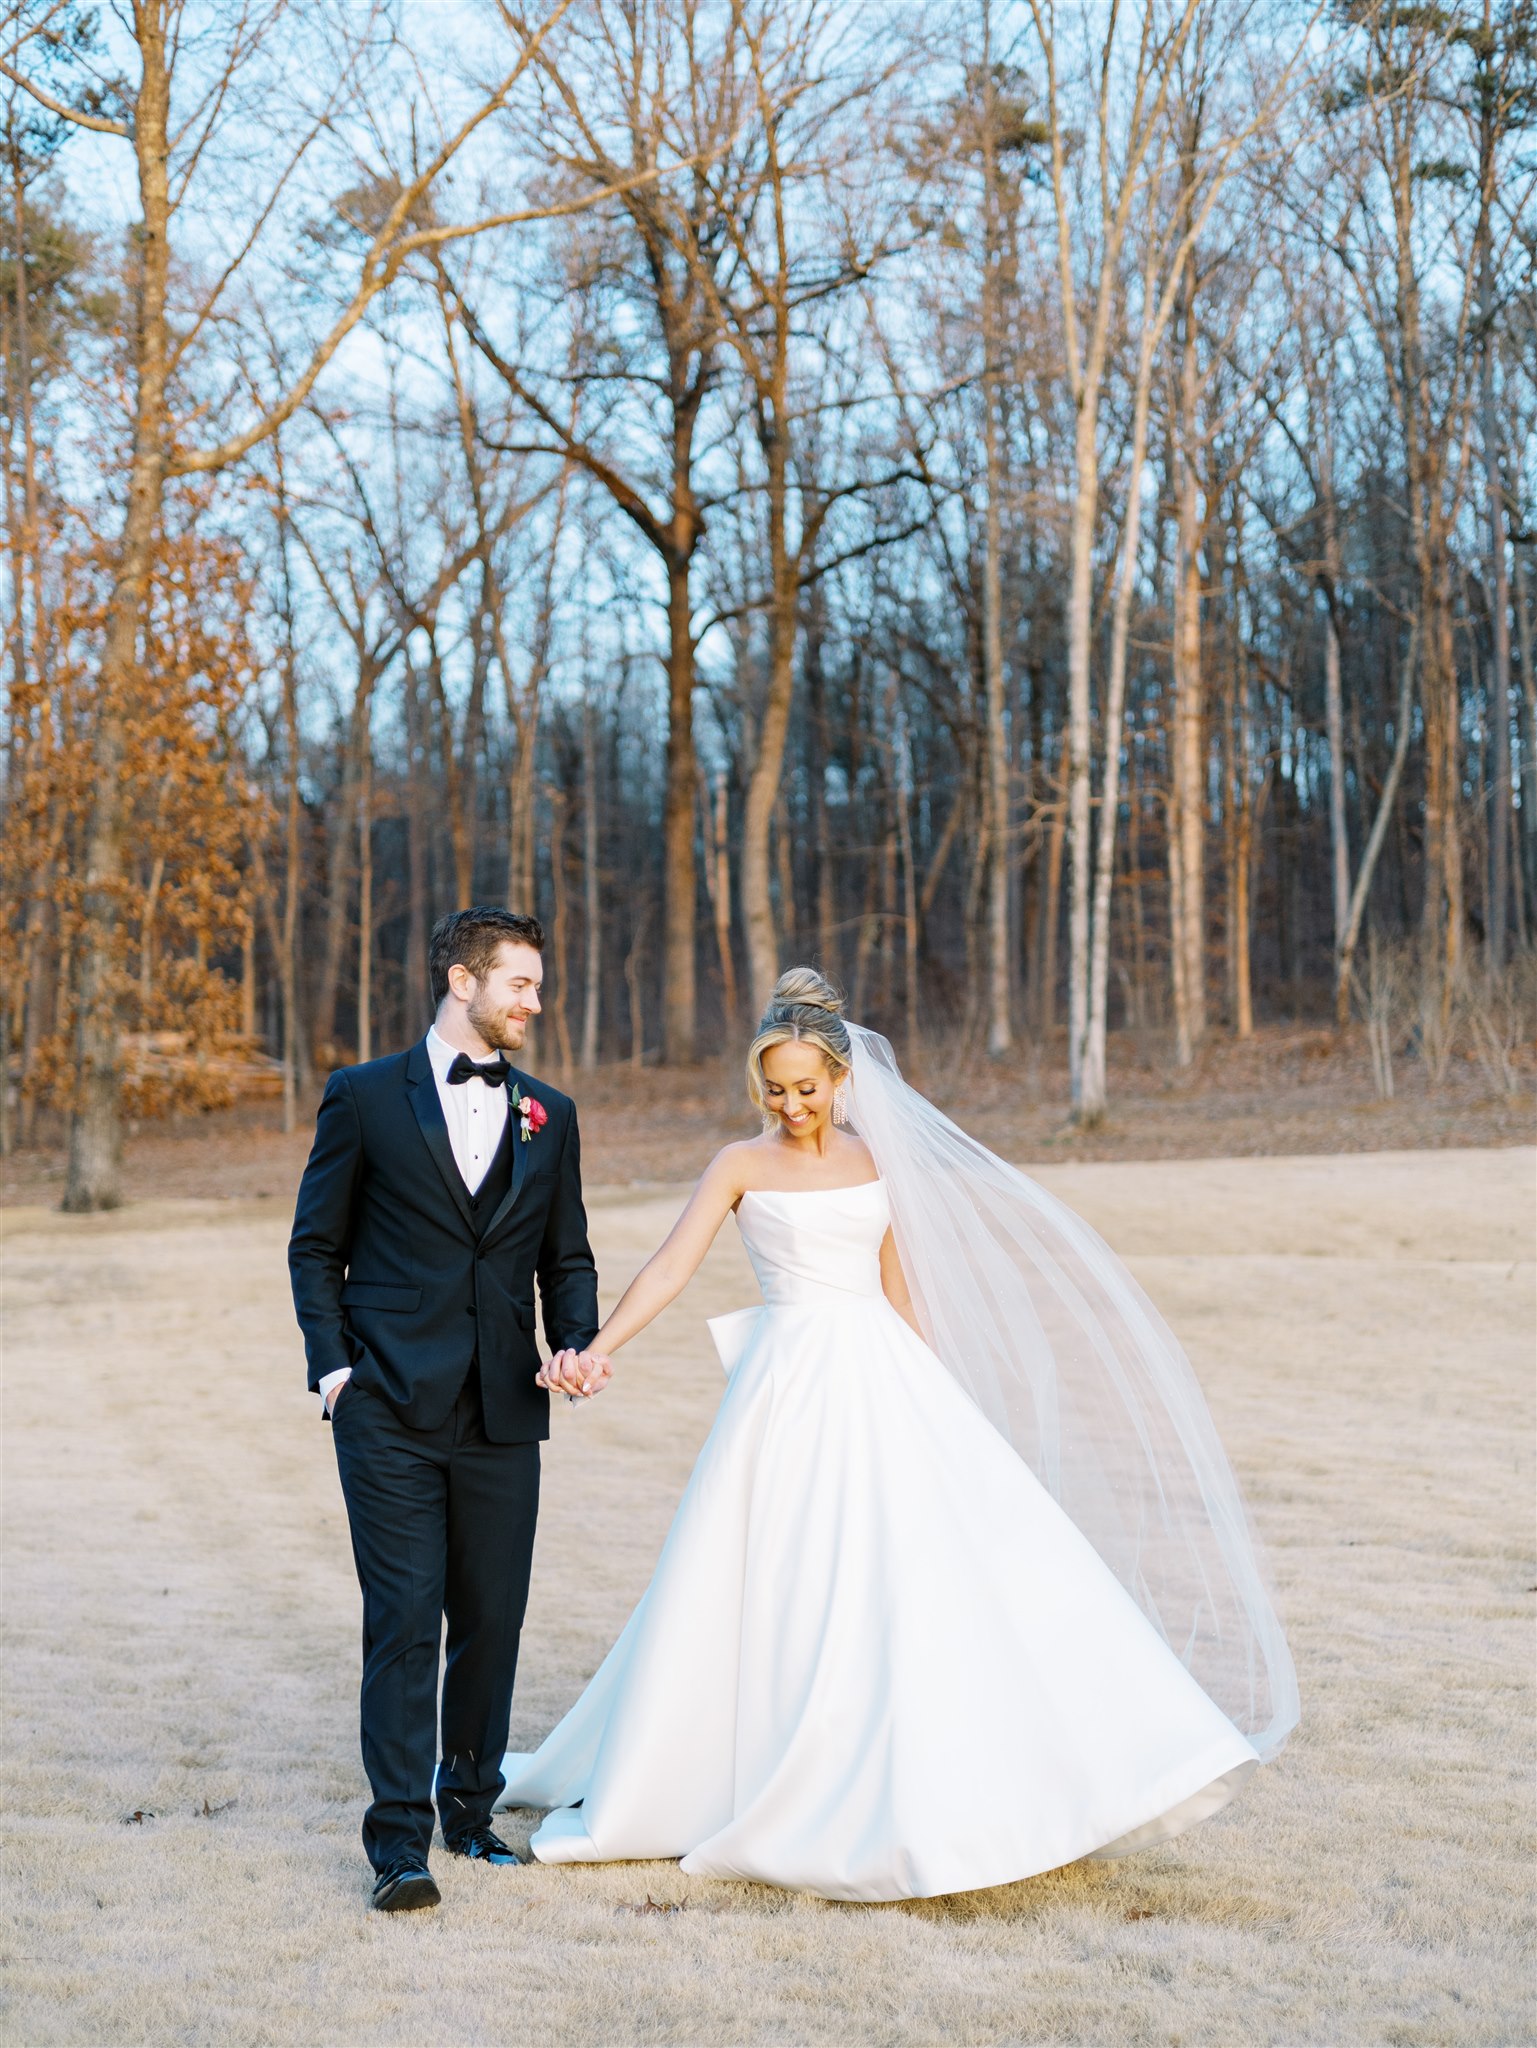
(206, 1811)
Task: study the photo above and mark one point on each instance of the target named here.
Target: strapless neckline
(853, 1188)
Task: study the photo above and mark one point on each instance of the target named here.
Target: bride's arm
(676, 1260)
(894, 1285)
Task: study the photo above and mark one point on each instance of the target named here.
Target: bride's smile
(798, 1092)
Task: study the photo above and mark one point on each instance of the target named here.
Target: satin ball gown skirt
(876, 1660)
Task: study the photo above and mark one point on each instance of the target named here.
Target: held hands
(578, 1374)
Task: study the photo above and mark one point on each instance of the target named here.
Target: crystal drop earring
(841, 1103)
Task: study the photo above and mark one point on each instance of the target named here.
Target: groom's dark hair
(469, 938)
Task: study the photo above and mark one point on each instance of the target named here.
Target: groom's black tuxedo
(426, 1292)
(403, 1275)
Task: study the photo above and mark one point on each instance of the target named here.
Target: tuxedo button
(470, 1310)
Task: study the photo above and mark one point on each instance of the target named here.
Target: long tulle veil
(1060, 1348)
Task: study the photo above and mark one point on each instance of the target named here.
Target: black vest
(493, 1190)
(484, 1203)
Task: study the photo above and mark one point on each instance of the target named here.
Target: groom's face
(507, 996)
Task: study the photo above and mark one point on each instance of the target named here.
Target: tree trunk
(418, 994)
(1187, 872)
(592, 908)
(680, 877)
(296, 1060)
(784, 871)
(1051, 914)
(248, 982)
(1243, 869)
(365, 829)
(94, 1173)
(33, 995)
(1385, 808)
(561, 1007)
(1000, 1036)
(1334, 721)
(1527, 708)
(632, 966)
(461, 847)
(472, 742)
(1090, 1102)
(720, 900)
(768, 761)
(1079, 762)
(902, 790)
(340, 855)
(521, 796)
(1424, 461)
(822, 895)
(1501, 819)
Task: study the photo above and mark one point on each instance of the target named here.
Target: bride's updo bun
(806, 1007)
(804, 988)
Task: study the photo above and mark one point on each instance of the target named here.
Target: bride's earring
(770, 1122)
(841, 1103)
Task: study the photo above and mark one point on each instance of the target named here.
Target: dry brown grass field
(182, 1787)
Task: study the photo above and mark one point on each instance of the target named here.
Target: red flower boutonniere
(533, 1116)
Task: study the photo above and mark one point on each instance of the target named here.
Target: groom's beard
(502, 1030)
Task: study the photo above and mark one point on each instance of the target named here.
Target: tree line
(1030, 508)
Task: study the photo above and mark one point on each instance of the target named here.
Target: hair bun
(805, 988)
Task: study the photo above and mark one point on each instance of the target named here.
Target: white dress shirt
(476, 1115)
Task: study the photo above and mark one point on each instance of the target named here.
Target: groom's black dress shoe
(405, 1887)
(484, 1847)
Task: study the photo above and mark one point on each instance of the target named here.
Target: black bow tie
(494, 1073)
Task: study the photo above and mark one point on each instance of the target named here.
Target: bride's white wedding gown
(876, 1660)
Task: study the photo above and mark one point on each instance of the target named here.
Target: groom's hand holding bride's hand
(579, 1374)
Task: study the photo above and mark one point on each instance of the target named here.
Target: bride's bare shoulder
(737, 1165)
(855, 1148)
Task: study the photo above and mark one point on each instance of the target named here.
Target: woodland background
(1027, 503)
(1029, 506)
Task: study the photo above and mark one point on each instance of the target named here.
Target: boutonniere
(532, 1114)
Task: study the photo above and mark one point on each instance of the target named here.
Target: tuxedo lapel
(423, 1092)
(520, 1152)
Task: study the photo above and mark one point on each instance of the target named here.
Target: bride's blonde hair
(805, 1007)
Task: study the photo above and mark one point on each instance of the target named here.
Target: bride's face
(798, 1088)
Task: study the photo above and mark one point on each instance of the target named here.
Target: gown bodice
(815, 1244)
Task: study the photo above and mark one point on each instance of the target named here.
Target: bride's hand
(577, 1374)
(596, 1368)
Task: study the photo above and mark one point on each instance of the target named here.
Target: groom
(443, 1182)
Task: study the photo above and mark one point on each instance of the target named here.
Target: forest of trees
(1029, 506)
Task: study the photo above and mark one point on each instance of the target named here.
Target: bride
(961, 1587)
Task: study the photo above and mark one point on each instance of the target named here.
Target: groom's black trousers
(442, 1526)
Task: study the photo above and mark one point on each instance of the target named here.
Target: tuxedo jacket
(397, 1275)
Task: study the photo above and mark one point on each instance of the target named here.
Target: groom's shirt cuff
(328, 1380)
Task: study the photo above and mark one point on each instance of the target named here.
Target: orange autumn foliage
(183, 905)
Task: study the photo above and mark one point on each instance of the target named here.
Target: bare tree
(172, 152)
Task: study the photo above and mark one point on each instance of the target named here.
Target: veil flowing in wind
(1046, 1330)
